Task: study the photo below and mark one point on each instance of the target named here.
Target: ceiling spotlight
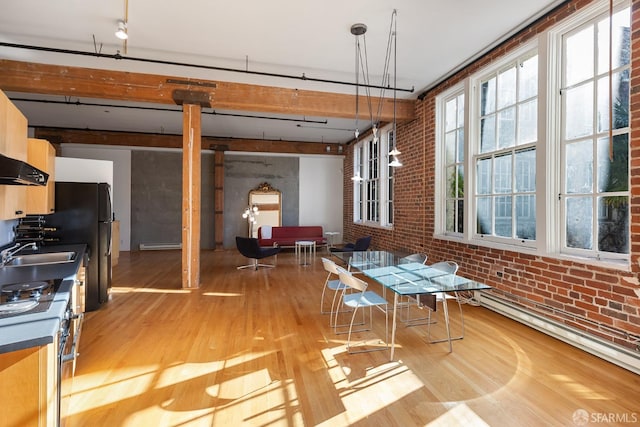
(121, 32)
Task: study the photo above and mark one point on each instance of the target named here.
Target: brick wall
(599, 301)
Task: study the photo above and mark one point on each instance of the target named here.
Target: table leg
(445, 309)
(393, 328)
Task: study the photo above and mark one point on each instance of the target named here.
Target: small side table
(331, 238)
(304, 250)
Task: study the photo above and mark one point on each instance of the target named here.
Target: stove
(27, 298)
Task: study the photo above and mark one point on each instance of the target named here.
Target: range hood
(17, 172)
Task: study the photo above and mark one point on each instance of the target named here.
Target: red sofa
(288, 235)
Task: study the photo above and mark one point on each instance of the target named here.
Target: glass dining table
(406, 278)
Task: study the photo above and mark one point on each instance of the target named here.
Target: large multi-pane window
(373, 180)
(358, 171)
(454, 162)
(544, 152)
(595, 137)
(505, 154)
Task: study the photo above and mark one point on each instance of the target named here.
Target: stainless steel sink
(40, 259)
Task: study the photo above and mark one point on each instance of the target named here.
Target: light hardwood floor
(251, 348)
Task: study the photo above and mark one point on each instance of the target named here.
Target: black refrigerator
(83, 214)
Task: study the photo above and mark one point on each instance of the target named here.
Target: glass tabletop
(406, 278)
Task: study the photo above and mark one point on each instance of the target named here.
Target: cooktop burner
(16, 291)
(28, 297)
(18, 306)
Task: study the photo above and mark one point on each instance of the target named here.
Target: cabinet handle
(19, 212)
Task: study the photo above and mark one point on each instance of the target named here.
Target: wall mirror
(269, 203)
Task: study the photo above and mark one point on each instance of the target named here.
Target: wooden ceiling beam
(49, 79)
(135, 139)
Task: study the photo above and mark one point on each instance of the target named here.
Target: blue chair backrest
(362, 244)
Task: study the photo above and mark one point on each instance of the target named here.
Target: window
(358, 171)
(454, 162)
(595, 138)
(373, 180)
(550, 178)
(505, 151)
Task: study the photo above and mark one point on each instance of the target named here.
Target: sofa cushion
(288, 235)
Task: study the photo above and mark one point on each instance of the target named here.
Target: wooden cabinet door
(13, 143)
(42, 155)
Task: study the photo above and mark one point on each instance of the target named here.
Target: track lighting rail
(117, 56)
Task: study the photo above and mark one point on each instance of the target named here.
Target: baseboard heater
(591, 344)
(159, 246)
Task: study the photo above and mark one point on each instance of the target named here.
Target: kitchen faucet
(8, 253)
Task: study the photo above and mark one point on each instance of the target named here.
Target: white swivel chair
(450, 268)
(361, 298)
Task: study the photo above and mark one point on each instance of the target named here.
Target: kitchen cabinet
(33, 374)
(13, 143)
(42, 155)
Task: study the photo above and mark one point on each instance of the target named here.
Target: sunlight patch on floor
(222, 294)
(577, 389)
(372, 387)
(186, 371)
(119, 385)
(263, 400)
(130, 290)
(460, 415)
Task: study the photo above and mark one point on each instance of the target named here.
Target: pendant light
(362, 64)
(395, 152)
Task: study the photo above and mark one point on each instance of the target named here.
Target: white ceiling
(291, 37)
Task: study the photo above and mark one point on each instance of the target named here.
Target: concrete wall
(156, 198)
(242, 174)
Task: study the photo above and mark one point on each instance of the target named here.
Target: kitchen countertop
(37, 329)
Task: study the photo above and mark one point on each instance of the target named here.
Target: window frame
(372, 200)
(590, 17)
(475, 153)
(441, 164)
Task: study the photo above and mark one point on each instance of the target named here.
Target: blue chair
(250, 248)
(362, 244)
(362, 298)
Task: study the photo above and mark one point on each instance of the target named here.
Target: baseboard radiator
(159, 246)
(617, 355)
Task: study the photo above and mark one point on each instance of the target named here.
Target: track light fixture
(121, 32)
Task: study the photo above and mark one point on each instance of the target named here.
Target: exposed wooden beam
(31, 77)
(134, 139)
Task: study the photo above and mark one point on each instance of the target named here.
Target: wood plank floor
(251, 348)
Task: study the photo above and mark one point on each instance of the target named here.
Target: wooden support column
(218, 198)
(191, 191)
